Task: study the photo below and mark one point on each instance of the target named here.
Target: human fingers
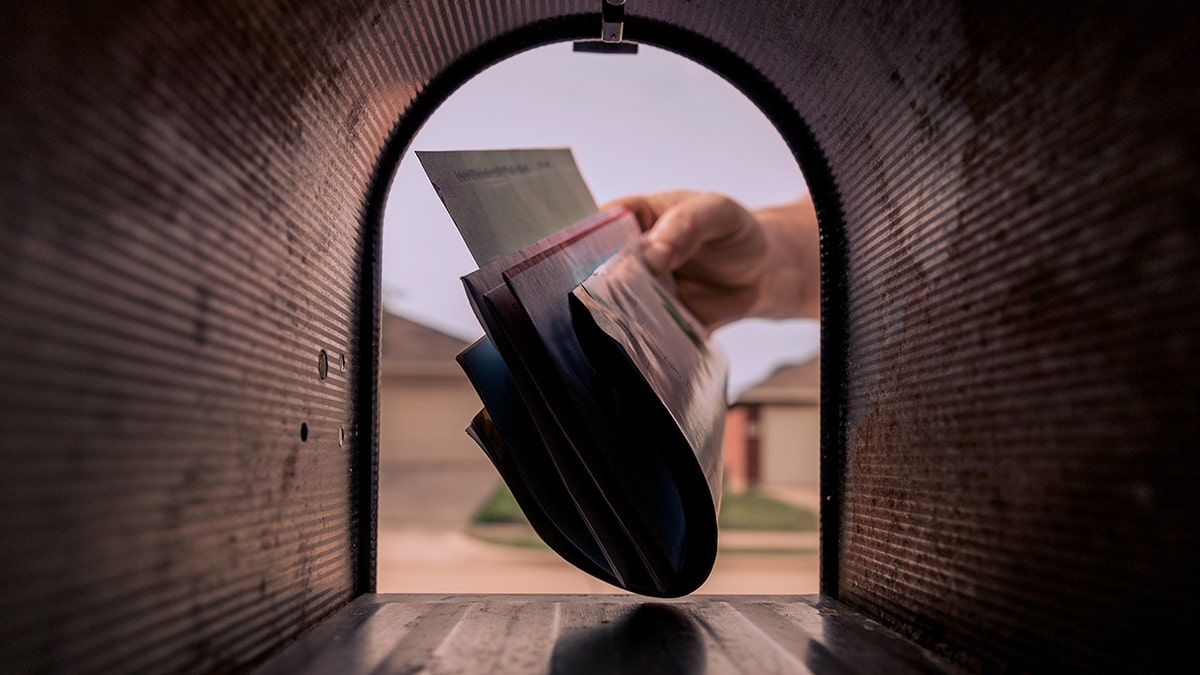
(648, 208)
(683, 229)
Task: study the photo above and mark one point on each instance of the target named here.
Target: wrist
(790, 285)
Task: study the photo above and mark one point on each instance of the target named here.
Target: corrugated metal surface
(1011, 289)
(181, 238)
(1023, 368)
(599, 634)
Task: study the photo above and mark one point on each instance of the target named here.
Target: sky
(644, 123)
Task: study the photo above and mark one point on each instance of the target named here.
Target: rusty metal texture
(1022, 400)
(189, 196)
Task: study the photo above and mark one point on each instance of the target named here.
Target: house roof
(413, 347)
(793, 384)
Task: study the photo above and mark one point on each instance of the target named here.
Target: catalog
(604, 399)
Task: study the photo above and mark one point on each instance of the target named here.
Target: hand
(731, 263)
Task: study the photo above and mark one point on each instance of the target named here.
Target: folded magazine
(604, 400)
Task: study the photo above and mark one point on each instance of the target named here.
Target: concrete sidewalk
(417, 561)
(425, 545)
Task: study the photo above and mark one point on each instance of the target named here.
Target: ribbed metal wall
(182, 199)
(1022, 384)
(1011, 275)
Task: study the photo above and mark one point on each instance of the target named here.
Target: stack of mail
(604, 402)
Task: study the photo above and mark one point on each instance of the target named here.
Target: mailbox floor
(389, 633)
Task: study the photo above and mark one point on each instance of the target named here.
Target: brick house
(772, 431)
(425, 399)
(432, 475)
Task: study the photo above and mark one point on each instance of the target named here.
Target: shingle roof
(409, 341)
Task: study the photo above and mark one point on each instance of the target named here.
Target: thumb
(684, 228)
(658, 255)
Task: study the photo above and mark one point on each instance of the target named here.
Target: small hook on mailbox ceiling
(612, 31)
(612, 13)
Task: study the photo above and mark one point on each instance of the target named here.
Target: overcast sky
(654, 121)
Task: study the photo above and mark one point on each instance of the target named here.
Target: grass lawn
(756, 511)
(499, 508)
(748, 511)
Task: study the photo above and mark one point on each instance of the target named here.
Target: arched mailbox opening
(190, 208)
(650, 122)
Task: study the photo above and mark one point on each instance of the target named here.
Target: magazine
(604, 400)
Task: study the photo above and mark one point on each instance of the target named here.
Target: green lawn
(756, 511)
(749, 511)
(501, 507)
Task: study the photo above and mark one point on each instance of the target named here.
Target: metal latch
(612, 31)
